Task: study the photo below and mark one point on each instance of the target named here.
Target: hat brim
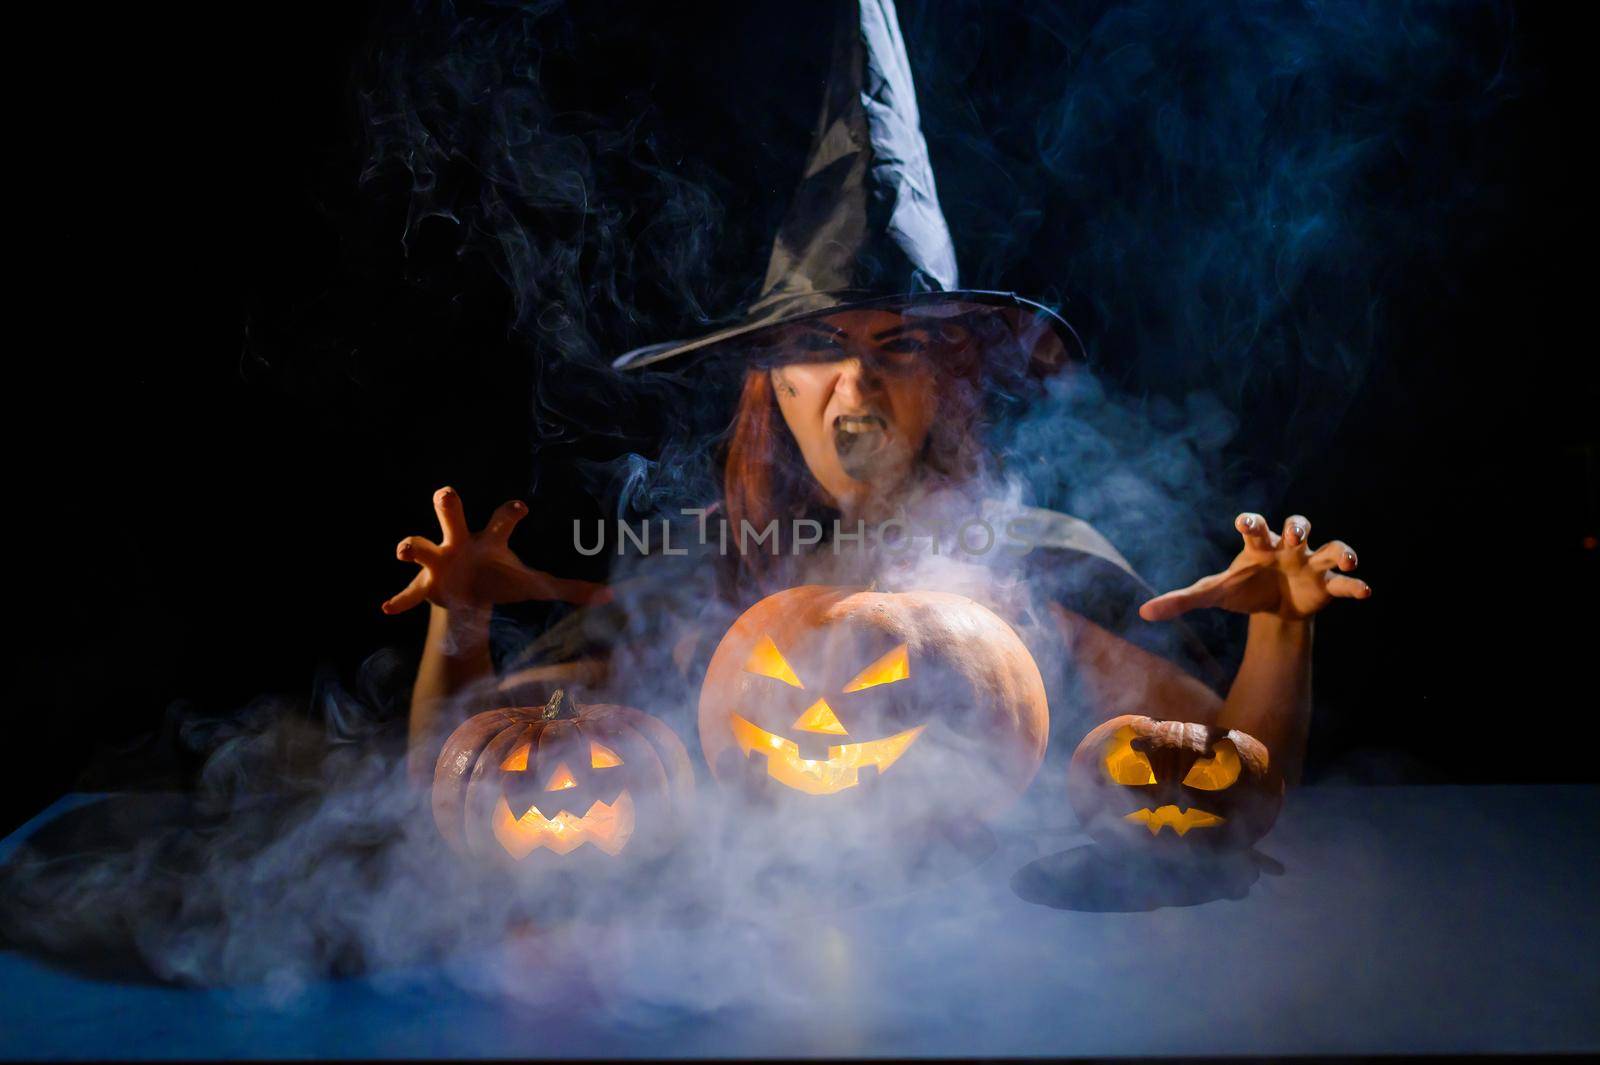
(1044, 339)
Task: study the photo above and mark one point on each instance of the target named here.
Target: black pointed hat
(865, 228)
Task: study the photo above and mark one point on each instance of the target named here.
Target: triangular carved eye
(819, 717)
(896, 665)
(602, 757)
(767, 661)
(1126, 765)
(561, 779)
(517, 760)
(1217, 772)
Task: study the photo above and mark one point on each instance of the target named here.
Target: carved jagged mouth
(821, 776)
(605, 826)
(1169, 816)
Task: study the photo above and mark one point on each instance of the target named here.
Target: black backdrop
(236, 394)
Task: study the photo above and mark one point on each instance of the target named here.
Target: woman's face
(858, 392)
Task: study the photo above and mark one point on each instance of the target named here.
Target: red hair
(764, 476)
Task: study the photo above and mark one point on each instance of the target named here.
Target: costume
(866, 230)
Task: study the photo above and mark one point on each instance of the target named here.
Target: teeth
(854, 424)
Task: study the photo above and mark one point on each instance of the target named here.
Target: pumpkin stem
(558, 702)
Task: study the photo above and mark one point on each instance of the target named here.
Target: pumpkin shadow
(1092, 879)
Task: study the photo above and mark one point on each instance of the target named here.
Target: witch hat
(865, 228)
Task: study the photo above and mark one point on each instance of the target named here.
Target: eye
(896, 665)
(904, 349)
(1217, 772)
(602, 757)
(517, 760)
(1126, 765)
(767, 661)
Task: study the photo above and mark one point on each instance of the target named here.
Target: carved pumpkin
(922, 701)
(535, 785)
(1171, 787)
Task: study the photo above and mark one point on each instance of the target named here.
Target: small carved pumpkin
(535, 785)
(1170, 787)
(924, 701)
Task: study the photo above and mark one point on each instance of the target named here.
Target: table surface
(1391, 920)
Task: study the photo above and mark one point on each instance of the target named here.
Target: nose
(857, 382)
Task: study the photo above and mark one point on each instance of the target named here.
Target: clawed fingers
(505, 519)
(414, 593)
(1253, 527)
(418, 549)
(452, 519)
(1335, 554)
(1341, 587)
(1296, 530)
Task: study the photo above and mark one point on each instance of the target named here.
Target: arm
(462, 577)
(1123, 678)
(1281, 584)
(455, 660)
(1270, 698)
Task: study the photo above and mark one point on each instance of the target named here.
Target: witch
(863, 370)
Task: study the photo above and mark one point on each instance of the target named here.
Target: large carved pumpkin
(1172, 787)
(923, 702)
(552, 785)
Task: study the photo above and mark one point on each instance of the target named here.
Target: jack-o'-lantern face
(561, 780)
(841, 693)
(553, 805)
(820, 760)
(1170, 785)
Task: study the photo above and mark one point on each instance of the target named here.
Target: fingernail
(1299, 532)
(1350, 557)
(1249, 522)
(519, 505)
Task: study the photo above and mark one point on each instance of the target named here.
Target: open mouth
(1169, 816)
(605, 826)
(860, 439)
(821, 776)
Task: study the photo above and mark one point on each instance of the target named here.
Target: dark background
(1359, 231)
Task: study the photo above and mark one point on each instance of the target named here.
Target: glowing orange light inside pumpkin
(1217, 772)
(562, 779)
(767, 661)
(517, 760)
(817, 776)
(602, 757)
(820, 718)
(896, 665)
(606, 826)
(1126, 765)
(1169, 816)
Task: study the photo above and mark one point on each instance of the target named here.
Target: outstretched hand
(1273, 574)
(475, 571)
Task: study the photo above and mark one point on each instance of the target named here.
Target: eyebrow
(904, 327)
